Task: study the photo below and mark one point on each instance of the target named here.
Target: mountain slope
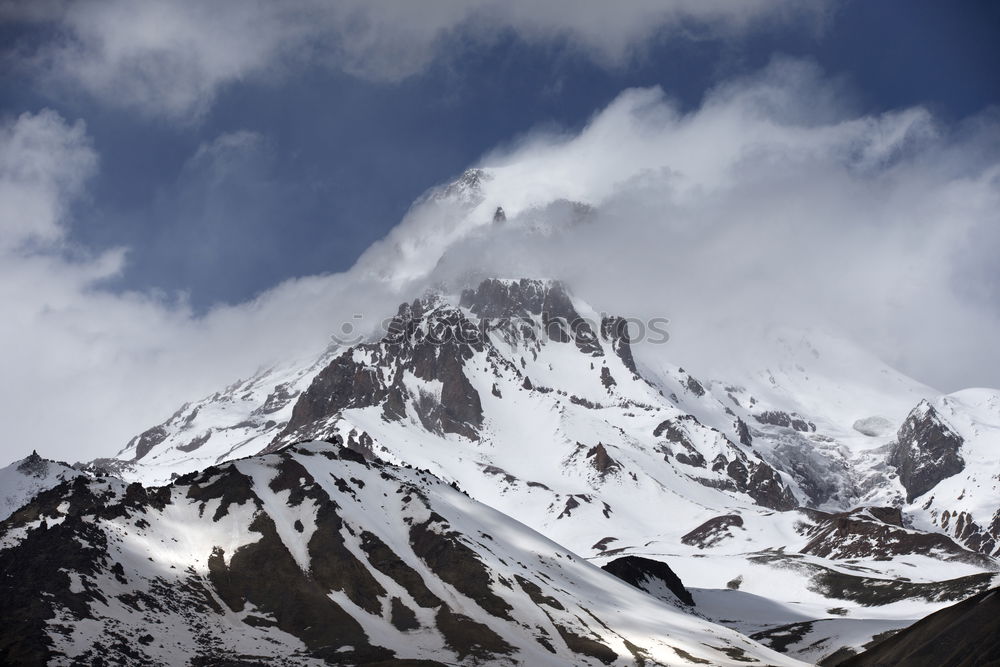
(962, 635)
(945, 455)
(316, 555)
(237, 421)
(532, 403)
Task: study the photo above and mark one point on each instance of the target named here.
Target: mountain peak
(496, 298)
(33, 465)
(466, 189)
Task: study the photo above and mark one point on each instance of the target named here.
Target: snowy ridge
(23, 480)
(237, 421)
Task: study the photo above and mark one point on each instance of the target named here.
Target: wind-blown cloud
(169, 58)
(773, 203)
(85, 366)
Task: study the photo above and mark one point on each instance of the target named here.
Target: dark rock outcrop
(299, 604)
(786, 420)
(645, 574)
(197, 442)
(450, 559)
(743, 432)
(713, 531)
(965, 529)
(615, 331)
(878, 533)
(505, 299)
(927, 451)
(601, 460)
(430, 340)
(680, 447)
(694, 386)
(145, 441)
(528, 304)
(33, 465)
(762, 483)
(743, 473)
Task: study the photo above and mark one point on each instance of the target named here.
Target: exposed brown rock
(601, 460)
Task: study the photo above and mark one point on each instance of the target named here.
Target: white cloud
(169, 58)
(43, 164)
(84, 368)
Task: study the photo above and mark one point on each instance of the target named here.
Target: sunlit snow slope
(316, 556)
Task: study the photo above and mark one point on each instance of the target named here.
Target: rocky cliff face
(927, 451)
(459, 370)
(879, 533)
(428, 342)
(653, 576)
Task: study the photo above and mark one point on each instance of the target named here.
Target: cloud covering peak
(774, 203)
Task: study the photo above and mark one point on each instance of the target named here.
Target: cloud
(85, 367)
(43, 164)
(772, 204)
(170, 58)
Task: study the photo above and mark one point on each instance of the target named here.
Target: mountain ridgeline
(315, 555)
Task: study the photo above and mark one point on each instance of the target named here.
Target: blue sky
(337, 158)
(186, 186)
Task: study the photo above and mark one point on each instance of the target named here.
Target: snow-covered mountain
(525, 398)
(506, 366)
(315, 555)
(861, 512)
(814, 499)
